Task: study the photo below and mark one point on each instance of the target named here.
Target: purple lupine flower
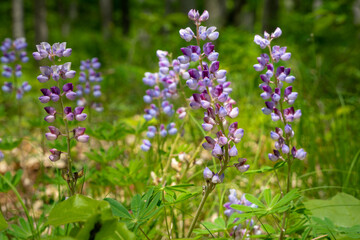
(89, 80)
(13, 53)
(209, 79)
(45, 50)
(79, 135)
(55, 155)
(68, 114)
(146, 145)
(7, 87)
(163, 88)
(208, 174)
(1, 155)
(277, 95)
(79, 115)
(52, 114)
(181, 112)
(53, 134)
(55, 93)
(241, 166)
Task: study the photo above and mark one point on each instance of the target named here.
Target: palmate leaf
(254, 200)
(21, 232)
(4, 187)
(9, 143)
(290, 196)
(135, 205)
(276, 205)
(267, 196)
(142, 208)
(151, 206)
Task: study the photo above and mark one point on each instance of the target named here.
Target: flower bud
(208, 174)
(204, 16)
(233, 151)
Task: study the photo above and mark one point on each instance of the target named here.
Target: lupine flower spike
(277, 93)
(13, 54)
(60, 93)
(211, 94)
(279, 99)
(88, 89)
(163, 90)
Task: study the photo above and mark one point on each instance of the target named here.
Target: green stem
(209, 189)
(144, 233)
(69, 159)
(289, 173)
(166, 223)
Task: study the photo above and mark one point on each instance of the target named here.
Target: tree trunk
(125, 16)
(356, 11)
(303, 6)
(41, 28)
(217, 12)
(270, 15)
(68, 13)
(235, 14)
(106, 17)
(186, 5)
(18, 18)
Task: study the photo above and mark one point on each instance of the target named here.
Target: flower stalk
(59, 93)
(276, 96)
(213, 97)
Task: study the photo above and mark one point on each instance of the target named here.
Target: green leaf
(293, 194)
(118, 209)
(151, 206)
(243, 208)
(14, 180)
(179, 188)
(58, 238)
(254, 200)
(220, 222)
(275, 200)
(77, 208)
(3, 224)
(219, 225)
(99, 228)
(135, 204)
(9, 143)
(268, 228)
(181, 197)
(343, 209)
(267, 196)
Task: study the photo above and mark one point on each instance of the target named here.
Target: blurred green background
(322, 35)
